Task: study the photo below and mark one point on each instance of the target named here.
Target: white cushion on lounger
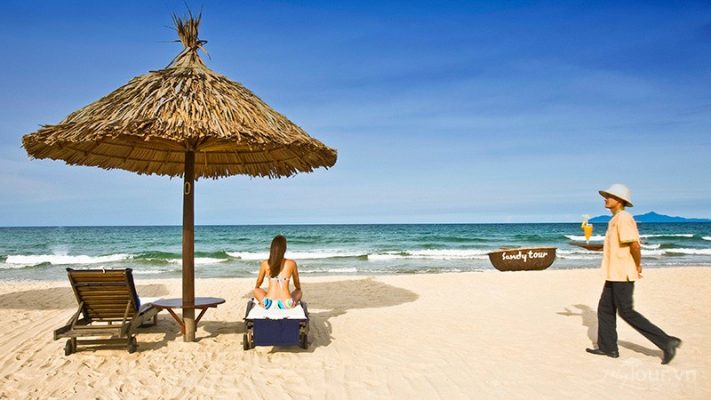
(148, 300)
(259, 312)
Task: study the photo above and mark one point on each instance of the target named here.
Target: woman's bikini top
(280, 280)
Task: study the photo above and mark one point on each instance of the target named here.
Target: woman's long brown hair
(276, 255)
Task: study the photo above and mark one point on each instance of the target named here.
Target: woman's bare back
(279, 285)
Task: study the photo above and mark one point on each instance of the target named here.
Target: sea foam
(668, 235)
(329, 270)
(705, 252)
(310, 255)
(200, 260)
(152, 271)
(578, 254)
(582, 254)
(55, 259)
(244, 255)
(448, 254)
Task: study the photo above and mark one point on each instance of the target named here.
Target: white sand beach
(487, 335)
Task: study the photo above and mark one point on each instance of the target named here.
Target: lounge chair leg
(132, 344)
(246, 345)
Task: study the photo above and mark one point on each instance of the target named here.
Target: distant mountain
(651, 217)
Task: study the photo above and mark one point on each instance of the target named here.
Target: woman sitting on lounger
(279, 270)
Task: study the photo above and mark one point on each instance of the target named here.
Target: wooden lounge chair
(108, 306)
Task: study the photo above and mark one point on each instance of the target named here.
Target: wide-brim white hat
(620, 191)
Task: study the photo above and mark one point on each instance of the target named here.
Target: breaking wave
(668, 235)
(432, 255)
(21, 261)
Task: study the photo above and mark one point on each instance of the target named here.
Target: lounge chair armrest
(58, 333)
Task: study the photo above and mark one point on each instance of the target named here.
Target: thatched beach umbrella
(183, 120)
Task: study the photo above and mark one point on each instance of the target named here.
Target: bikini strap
(280, 280)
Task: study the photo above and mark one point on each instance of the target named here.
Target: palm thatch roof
(147, 125)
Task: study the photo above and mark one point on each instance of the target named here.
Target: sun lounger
(108, 306)
(275, 327)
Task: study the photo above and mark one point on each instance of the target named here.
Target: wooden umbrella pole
(189, 247)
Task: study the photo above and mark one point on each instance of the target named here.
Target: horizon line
(704, 221)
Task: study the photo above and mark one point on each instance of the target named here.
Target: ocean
(235, 251)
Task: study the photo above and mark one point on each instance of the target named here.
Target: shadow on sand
(588, 317)
(331, 299)
(60, 297)
(589, 320)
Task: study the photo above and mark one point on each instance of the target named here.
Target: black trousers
(617, 298)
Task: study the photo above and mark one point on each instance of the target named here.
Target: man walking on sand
(621, 266)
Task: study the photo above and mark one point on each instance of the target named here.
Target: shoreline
(138, 276)
(516, 335)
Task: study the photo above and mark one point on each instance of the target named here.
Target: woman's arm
(295, 274)
(260, 276)
(296, 294)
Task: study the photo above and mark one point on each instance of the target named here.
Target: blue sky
(440, 112)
